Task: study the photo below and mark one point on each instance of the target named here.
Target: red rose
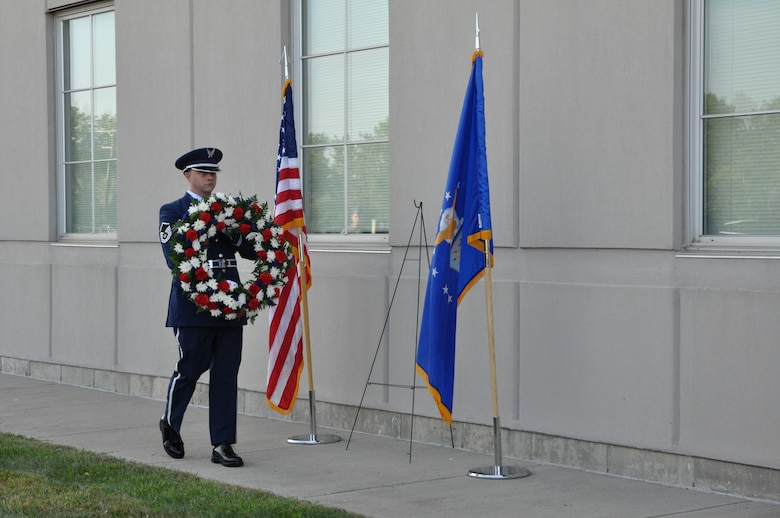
(254, 289)
(253, 304)
(227, 310)
(262, 255)
(238, 213)
(205, 217)
(267, 234)
(280, 256)
(185, 278)
(266, 278)
(201, 274)
(255, 207)
(216, 207)
(224, 286)
(245, 228)
(191, 235)
(202, 300)
(212, 306)
(190, 252)
(221, 226)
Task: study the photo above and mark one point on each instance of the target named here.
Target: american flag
(285, 353)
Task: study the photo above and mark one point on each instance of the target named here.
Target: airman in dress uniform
(205, 342)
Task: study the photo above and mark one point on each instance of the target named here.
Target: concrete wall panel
(347, 314)
(729, 359)
(84, 315)
(598, 86)
(26, 145)
(154, 110)
(598, 362)
(430, 65)
(25, 309)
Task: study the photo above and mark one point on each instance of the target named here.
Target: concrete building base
(667, 468)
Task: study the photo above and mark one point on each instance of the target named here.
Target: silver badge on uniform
(166, 232)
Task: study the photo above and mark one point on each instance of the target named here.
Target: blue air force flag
(462, 232)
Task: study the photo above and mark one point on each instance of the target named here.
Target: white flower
(212, 284)
(185, 267)
(185, 287)
(201, 287)
(199, 225)
(178, 248)
(215, 312)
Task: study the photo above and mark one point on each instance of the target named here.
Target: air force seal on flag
(166, 232)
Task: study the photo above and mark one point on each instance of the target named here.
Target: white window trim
(697, 243)
(103, 239)
(362, 243)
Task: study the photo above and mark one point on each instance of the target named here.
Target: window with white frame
(86, 117)
(735, 122)
(345, 115)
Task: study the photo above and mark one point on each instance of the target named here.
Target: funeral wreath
(239, 218)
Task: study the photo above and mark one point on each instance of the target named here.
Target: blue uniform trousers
(218, 350)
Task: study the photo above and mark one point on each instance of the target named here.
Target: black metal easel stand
(421, 245)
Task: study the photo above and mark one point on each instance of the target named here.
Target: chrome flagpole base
(313, 437)
(498, 471)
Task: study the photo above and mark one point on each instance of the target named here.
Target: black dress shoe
(172, 443)
(224, 454)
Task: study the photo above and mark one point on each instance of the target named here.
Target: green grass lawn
(40, 479)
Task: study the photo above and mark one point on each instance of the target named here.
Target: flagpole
(313, 437)
(286, 68)
(305, 314)
(498, 470)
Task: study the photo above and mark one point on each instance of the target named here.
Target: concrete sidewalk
(373, 477)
